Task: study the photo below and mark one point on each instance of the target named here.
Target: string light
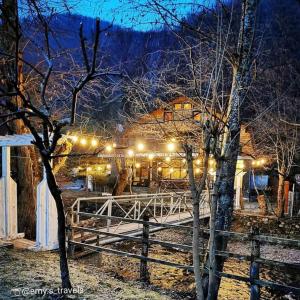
(198, 161)
(171, 170)
(89, 169)
(140, 146)
(171, 147)
(94, 142)
(137, 165)
(168, 159)
(159, 169)
(114, 145)
(197, 171)
(99, 168)
(108, 166)
(74, 138)
(108, 148)
(183, 160)
(83, 141)
(258, 163)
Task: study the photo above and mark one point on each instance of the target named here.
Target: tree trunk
(280, 196)
(26, 168)
(61, 234)
(212, 240)
(121, 183)
(230, 148)
(196, 196)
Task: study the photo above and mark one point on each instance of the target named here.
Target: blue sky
(128, 13)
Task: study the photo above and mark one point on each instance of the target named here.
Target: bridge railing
(161, 206)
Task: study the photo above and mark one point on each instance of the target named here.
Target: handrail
(133, 196)
(173, 202)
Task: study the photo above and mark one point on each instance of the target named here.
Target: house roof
(155, 118)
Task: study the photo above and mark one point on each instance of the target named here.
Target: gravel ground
(116, 277)
(23, 270)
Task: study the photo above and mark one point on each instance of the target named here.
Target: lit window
(177, 106)
(187, 106)
(168, 116)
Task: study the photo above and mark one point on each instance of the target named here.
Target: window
(177, 106)
(187, 106)
(197, 116)
(168, 116)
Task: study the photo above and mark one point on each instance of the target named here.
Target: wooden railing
(255, 238)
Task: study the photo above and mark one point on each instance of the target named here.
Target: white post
(8, 199)
(46, 218)
(238, 189)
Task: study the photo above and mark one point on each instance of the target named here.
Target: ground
(116, 277)
(26, 269)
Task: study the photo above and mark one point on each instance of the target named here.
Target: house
(151, 145)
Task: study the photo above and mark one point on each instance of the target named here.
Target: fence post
(254, 266)
(144, 273)
(78, 211)
(109, 211)
(71, 248)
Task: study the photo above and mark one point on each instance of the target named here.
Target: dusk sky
(134, 14)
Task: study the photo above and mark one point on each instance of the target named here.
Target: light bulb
(83, 141)
(94, 142)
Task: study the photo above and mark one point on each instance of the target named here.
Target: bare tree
(38, 111)
(277, 136)
(198, 69)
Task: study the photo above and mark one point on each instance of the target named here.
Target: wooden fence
(254, 237)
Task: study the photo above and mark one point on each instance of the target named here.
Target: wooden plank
(7, 245)
(23, 244)
(134, 238)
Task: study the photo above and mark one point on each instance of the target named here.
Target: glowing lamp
(171, 147)
(89, 169)
(159, 169)
(108, 148)
(137, 165)
(83, 141)
(94, 142)
(108, 166)
(74, 138)
(140, 147)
